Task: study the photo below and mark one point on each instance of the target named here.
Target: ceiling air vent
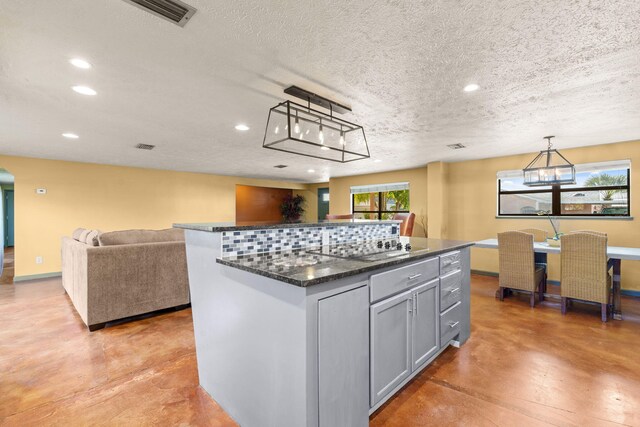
(280, 166)
(145, 147)
(456, 146)
(172, 10)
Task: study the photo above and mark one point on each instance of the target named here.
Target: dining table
(615, 254)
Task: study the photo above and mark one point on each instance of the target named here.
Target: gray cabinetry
(450, 262)
(425, 323)
(343, 359)
(450, 323)
(403, 278)
(450, 289)
(405, 333)
(391, 322)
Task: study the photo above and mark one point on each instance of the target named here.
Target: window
(601, 189)
(379, 201)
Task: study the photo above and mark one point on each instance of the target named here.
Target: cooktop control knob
(399, 246)
(387, 245)
(379, 243)
(407, 247)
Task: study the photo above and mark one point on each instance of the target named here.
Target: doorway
(7, 235)
(323, 203)
(8, 219)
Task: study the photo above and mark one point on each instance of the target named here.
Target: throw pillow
(76, 234)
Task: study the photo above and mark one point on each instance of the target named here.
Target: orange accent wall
(259, 203)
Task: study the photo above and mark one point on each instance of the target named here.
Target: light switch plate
(39, 260)
(41, 191)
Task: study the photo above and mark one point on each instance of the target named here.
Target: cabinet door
(343, 359)
(425, 331)
(390, 344)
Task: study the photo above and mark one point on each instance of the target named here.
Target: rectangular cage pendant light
(298, 129)
(549, 168)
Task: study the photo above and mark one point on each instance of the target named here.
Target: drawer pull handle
(415, 276)
(453, 325)
(452, 291)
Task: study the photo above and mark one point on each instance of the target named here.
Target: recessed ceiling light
(70, 135)
(377, 161)
(84, 90)
(80, 63)
(471, 87)
(242, 127)
(311, 171)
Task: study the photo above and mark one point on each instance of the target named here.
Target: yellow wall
(471, 190)
(437, 199)
(108, 198)
(459, 198)
(340, 191)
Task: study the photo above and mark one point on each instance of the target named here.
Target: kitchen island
(320, 324)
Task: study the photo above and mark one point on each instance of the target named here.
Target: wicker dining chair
(540, 259)
(597, 233)
(517, 267)
(584, 271)
(538, 235)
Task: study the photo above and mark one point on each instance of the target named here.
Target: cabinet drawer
(450, 323)
(450, 289)
(449, 262)
(400, 279)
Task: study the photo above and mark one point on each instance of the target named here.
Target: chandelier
(299, 129)
(549, 168)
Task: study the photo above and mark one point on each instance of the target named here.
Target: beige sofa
(119, 274)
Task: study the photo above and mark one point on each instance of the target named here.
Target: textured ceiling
(568, 68)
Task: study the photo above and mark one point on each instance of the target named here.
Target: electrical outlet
(38, 260)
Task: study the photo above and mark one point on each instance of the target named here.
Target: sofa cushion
(92, 238)
(128, 237)
(76, 233)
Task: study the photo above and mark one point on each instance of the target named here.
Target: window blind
(359, 189)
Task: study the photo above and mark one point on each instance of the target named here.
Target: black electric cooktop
(370, 250)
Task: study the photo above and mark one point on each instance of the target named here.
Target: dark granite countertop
(216, 227)
(304, 268)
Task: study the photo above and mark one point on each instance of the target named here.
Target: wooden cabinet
(425, 323)
(391, 324)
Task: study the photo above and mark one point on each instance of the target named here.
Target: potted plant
(292, 208)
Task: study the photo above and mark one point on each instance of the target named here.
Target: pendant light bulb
(341, 137)
(296, 127)
(321, 134)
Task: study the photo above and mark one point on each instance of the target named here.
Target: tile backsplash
(235, 243)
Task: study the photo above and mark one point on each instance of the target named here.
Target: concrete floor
(521, 367)
(8, 271)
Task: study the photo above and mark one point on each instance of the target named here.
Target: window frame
(379, 212)
(556, 199)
